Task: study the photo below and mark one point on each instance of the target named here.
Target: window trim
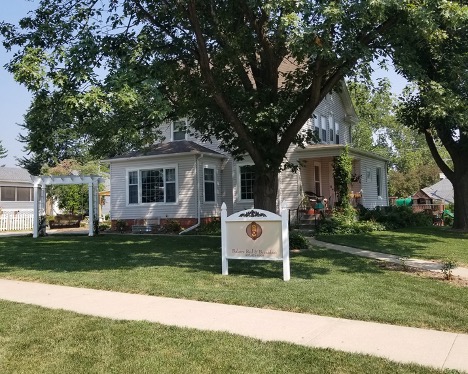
(239, 192)
(319, 180)
(153, 167)
(323, 129)
(208, 166)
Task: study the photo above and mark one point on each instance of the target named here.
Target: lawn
(432, 243)
(37, 340)
(323, 282)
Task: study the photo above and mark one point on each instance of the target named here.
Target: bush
(297, 241)
(396, 217)
(172, 226)
(209, 228)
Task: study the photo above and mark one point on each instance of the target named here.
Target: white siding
(369, 183)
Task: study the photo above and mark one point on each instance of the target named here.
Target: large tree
(438, 108)
(249, 72)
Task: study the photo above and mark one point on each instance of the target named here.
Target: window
(8, 194)
(323, 136)
(331, 126)
(179, 130)
(247, 179)
(152, 186)
(379, 181)
(24, 194)
(337, 133)
(317, 183)
(133, 187)
(209, 184)
(316, 128)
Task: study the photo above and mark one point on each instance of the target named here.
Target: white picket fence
(16, 220)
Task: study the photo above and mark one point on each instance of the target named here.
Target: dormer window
(179, 130)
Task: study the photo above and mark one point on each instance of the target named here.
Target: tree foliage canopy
(411, 166)
(248, 72)
(438, 108)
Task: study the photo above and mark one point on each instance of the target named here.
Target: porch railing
(16, 220)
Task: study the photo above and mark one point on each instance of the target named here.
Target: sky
(15, 99)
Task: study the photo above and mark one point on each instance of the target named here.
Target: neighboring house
(188, 180)
(434, 197)
(16, 189)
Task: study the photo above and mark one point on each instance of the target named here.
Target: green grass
(37, 340)
(432, 243)
(323, 282)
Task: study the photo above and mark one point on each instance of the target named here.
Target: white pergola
(46, 180)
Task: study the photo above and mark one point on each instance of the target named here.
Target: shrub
(172, 226)
(297, 241)
(209, 228)
(395, 217)
(121, 225)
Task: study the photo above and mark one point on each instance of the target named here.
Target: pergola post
(91, 210)
(36, 212)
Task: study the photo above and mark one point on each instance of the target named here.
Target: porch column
(91, 211)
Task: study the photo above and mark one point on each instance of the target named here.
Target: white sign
(255, 235)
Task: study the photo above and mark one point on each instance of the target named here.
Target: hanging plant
(342, 167)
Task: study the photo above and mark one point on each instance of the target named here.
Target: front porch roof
(332, 150)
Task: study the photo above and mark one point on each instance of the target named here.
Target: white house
(16, 189)
(187, 180)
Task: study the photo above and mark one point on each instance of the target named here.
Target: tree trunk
(266, 190)
(460, 194)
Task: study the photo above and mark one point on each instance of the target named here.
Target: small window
(209, 184)
(170, 186)
(323, 136)
(8, 193)
(316, 128)
(379, 181)
(179, 130)
(133, 187)
(337, 133)
(24, 194)
(247, 179)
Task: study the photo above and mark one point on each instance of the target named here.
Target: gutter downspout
(198, 197)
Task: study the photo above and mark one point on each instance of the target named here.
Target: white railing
(16, 220)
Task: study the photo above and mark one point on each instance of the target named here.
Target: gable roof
(180, 147)
(8, 174)
(443, 190)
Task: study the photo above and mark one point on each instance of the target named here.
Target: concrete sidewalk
(403, 344)
(412, 262)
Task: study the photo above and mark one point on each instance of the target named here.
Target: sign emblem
(254, 230)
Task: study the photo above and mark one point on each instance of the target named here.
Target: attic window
(179, 130)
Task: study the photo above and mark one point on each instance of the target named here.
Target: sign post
(255, 235)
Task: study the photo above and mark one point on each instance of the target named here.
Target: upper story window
(179, 130)
(317, 127)
(11, 193)
(331, 129)
(209, 184)
(246, 182)
(337, 133)
(323, 129)
(157, 185)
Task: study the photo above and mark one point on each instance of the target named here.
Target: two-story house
(185, 179)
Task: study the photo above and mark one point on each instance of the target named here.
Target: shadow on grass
(193, 254)
(411, 242)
